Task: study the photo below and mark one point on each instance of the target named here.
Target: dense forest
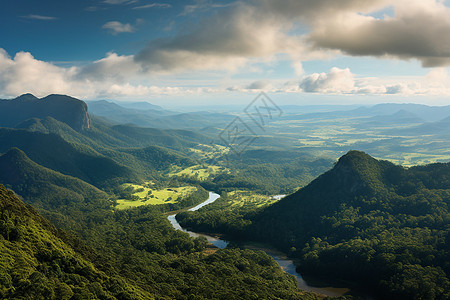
(125, 255)
(73, 178)
(366, 221)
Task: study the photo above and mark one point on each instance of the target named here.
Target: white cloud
(116, 2)
(239, 34)
(336, 81)
(343, 81)
(24, 73)
(202, 5)
(39, 17)
(259, 30)
(104, 78)
(120, 76)
(151, 5)
(259, 85)
(116, 27)
(118, 68)
(227, 40)
(254, 33)
(418, 30)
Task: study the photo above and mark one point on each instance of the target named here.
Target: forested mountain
(37, 261)
(42, 187)
(52, 151)
(366, 221)
(63, 108)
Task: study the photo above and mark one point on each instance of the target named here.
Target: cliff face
(63, 108)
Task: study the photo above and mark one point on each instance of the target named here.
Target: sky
(200, 52)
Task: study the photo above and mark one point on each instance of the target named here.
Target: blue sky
(213, 52)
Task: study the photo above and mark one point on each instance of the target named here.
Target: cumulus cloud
(118, 68)
(25, 74)
(236, 35)
(241, 33)
(259, 85)
(228, 39)
(115, 27)
(255, 86)
(244, 31)
(343, 81)
(336, 81)
(419, 29)
(121, 76)
(319, 9)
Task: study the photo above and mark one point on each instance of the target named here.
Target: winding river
(286, 264)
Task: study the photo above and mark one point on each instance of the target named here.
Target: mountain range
(366, 221)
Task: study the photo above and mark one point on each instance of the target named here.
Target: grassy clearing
(145, 195)
(247, 199)
(199, 172)
(413, 159)
(210, 151)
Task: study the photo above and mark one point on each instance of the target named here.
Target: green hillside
(52, 151)
(160, 158)
(42, 187)
(143, 150)
(38, 262)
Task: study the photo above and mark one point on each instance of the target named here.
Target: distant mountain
(304, 109)
(37, 261)
(427, 113)
(156, 118)
(401, 117)
(440, 128)
(139, 115)
(63, 108)
(141, 105)
(42, 187)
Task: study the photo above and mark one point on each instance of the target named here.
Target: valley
(285, 263)
(225, 150)
(109, 187)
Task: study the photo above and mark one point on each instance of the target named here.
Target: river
(285, 263)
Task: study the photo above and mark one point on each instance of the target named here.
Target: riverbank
(283, 261)
(289, 267)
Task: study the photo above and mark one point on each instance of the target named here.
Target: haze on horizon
(215, 52)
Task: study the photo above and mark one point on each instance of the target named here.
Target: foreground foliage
(132, 254)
